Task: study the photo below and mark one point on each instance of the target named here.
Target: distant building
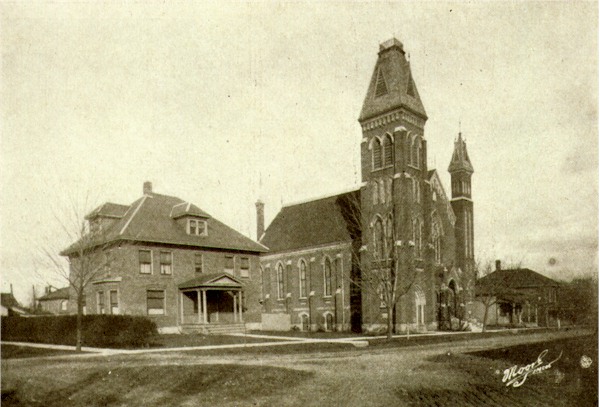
(55, 301)
(9, 306)
(523, 297)
(318, 255)
(175, 264)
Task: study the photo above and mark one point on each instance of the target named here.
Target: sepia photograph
(288, 203)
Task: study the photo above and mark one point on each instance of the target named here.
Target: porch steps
(213, 329)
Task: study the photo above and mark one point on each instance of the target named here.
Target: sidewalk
(359, 341)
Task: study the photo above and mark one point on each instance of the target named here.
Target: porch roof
(214, 280)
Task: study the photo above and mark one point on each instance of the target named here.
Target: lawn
(152, 386)
(187, 340)
(19, 352)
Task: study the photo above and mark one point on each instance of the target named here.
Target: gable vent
(380, 87)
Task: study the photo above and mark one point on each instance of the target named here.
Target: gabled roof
(213, 280)
(149, 219)
(517, 278)
(187, 209)
(391, 85)
(460, 158)
(8, 300)
(108, 210)
(318, 222)
(60, 294)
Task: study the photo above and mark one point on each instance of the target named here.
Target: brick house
(55, 301)
(317, 257)
(523, 297)
(174, 263)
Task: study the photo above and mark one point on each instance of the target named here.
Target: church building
(398, 250)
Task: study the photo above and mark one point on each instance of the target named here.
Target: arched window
(388, 189)
(419, 306)
(327, 278)
(376, 153)
(378, 239)
(413, 151)
(280, 281)
(375, 192)
(302, 279)
(418, 153)
(436, 238)
(381, 191)
(388, 150)
(417, 236)
(328, 321)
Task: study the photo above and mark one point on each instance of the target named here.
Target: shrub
(117, 331)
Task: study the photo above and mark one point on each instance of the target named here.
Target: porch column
(204, 313)
(198, 299)
(181, 295)
(241, 308)
(234, 308)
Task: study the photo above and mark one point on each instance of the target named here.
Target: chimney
(147, 188)
(498, 265)
(260, 219)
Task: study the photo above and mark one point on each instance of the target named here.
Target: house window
(166, 263)
(63, 305)
(229, 264)
(155, 300)
(145, 261)
(327, 276)
(198, 262)
(101, 302)
(197, 227)
(114, 302)
(244, 267)
(302, 279)
(280, 282)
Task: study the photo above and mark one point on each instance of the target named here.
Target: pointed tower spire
(460, 158)
(392, 86)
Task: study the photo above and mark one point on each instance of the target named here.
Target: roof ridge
(133, 214)
(320, 198)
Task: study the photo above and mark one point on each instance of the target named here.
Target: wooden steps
(214, 329)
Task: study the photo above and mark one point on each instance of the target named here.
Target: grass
(187, 340)
(20, 352)
(154, 386)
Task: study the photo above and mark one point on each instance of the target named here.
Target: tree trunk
(485, 316)
(390, 325)
(79, 320)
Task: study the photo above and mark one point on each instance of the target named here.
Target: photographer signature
(515, 376)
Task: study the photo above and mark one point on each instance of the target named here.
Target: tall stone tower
(394, 169)
(460, 170)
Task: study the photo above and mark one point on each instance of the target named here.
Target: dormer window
(197, 227)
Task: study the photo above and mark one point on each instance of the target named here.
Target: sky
(224, 103)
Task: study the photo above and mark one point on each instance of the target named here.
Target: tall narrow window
(388, 189)
(166, 263)
(376, 154)
(327, 277)
(101, 309)
(388, 150)
(114, 302)
(378, 239)
(389, 236)
(145, 257)
(280, 281)
(381, 191)
(155, 300)
(244, 267)
(375, 192)
(302, 279)
(229, 264)
(198, 262)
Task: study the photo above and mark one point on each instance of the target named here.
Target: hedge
(107, 331)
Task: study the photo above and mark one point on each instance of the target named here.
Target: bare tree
(387, 264)
(84, 261)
